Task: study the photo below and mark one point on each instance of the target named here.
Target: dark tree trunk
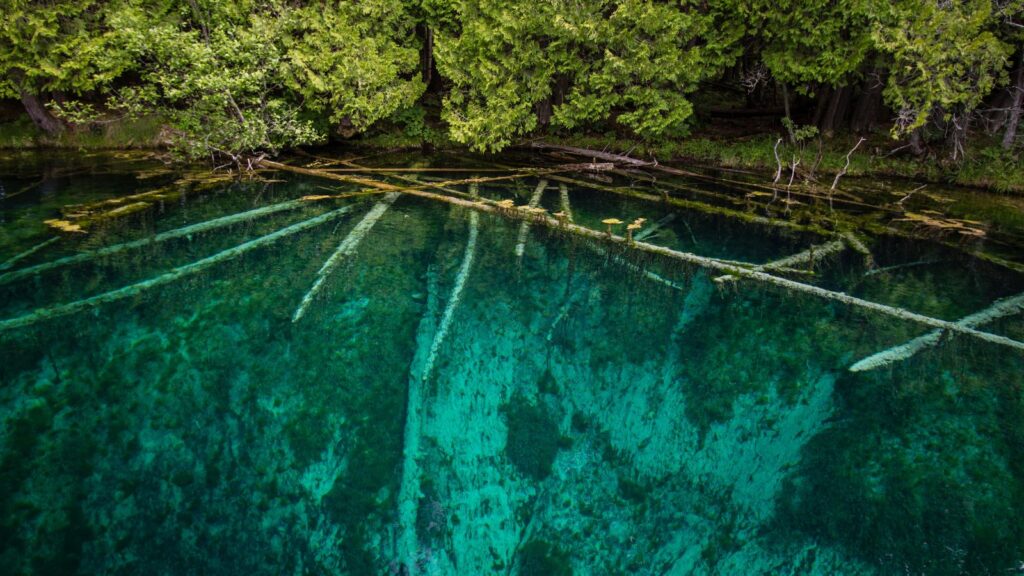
(1015, 110)
(999, 105)
(789, 118)
(837, 105)
(865, 112)
(543, 110)
(824, 94)
(916, 143)
(427, 54)
(560, 90)
(40, 115)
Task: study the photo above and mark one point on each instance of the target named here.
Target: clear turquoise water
(575, 417)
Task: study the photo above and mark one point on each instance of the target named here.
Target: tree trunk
(543, 111)
(958, 135)
(824, 95)
(865, 113)
(999, 106)
(40, 115)
(427, 54)
(916, 143)
(1018, 100)
(835, 109)
(789, 118)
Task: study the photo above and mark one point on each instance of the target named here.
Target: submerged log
(491, 207)
(409, 490)
(647, 232)
(10, 262)
(345, 250)
(1001, 308)
(161, 237)
(809, 256)
(524, 227)
(59, 310)
(563, 199)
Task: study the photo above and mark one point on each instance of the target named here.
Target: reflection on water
(444, 407)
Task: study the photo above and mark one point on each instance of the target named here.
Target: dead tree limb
(847, 166)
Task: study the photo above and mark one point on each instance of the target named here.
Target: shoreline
(986, 169)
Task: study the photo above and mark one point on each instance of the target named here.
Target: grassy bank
(987, 166)
(21, 134)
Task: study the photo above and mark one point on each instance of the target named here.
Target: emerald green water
(574, 415)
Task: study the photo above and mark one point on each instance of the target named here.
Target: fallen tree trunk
(697, 206)
(409, 490)
(161, 237)
(524, 227)
(59, 310)
(807, 256)
(345, 249)
(563, 198)
(10, 262)
(1001, 308)
(619, 159)
(491, 207)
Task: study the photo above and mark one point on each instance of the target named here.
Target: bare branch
(847, 166)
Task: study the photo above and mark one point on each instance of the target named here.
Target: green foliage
(259, 76)
(820, 41)
(631, 60)
(243, 78)
(215, 71)
(944, 56)
(58, 45)
(352, 60)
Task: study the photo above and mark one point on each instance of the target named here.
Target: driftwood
(847, 166)
(59, 310)
(1004, 307)
(491, 207)
(697, 206)
(635, 163)
(345, 250)
(852, 240)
